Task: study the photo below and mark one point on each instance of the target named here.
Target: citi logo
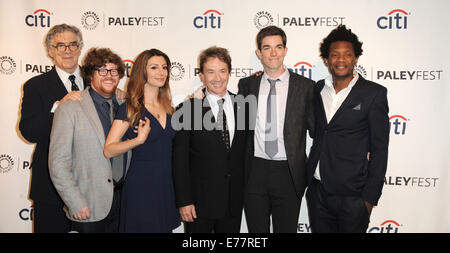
(40, 18)
(396, 19)
(303, 68)
(128, 67)
(398, 124)
(389, 226)
(213, 20)
(27, 214)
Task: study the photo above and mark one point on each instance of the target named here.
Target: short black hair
(270, 31)
(340, 33)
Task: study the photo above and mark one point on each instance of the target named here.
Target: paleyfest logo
(262, 19)
(90, 20)
(177, 71)
(7, 65)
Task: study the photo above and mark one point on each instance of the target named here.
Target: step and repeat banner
(405, 47)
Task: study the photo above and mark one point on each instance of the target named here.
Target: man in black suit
(348, 158)
(209, 151)
(41, 96)
(276, 157)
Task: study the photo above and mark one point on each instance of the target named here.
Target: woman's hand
(143, 129)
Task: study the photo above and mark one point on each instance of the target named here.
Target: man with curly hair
(88, 183)
(348, 158)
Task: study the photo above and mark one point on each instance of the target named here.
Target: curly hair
(98, 57)
(340, 33)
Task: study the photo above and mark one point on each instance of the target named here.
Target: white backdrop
(405, 47)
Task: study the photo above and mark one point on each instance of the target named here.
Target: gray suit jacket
(299, 118)
(78, 169)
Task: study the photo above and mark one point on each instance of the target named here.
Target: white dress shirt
(332, 101)
(281, 88)
(228, 109)
(64, 76)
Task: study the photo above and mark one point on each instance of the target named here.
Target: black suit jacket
(360, 125)
(299, 118)
(205, 173)
(39, 95)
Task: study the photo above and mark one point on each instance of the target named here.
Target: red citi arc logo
(388, 226)
(128, 67)
(213, 20)
(396, 19)
(303, 68)
(398, 124)
(39, 17)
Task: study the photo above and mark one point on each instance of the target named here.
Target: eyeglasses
(104, 72)
(61, 47)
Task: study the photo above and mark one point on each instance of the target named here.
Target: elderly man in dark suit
(348, 158)
(276, 157)
(41, 96)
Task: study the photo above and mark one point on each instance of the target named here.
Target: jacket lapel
(353, 98)
(293, 94)
(55, 86)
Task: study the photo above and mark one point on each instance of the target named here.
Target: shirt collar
(284, 77)
(213, 98)
(65, 76)
(329, 81)
(99, 99)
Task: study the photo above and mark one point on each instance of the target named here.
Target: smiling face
(105, 85)
(157, 71)
(215, 76)
(272, 54)
(66, 60)
(341, 60)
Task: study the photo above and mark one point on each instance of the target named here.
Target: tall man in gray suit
(276, 162)
(88, 183)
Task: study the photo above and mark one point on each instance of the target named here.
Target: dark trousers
(335, 214)
(49, 218)
(110, 224)
(270, 191)
(227, 224)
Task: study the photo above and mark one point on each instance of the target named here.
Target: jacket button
(109, 180)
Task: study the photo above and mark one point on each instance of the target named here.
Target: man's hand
(73, 95)
(368, 206)
(83, 214)
(188, 213)
(120, 94)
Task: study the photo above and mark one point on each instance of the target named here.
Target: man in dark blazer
(276, 157)
(209, 151)
(41, 96)
(348, 158)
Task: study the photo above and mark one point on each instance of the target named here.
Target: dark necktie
(270, 142)
(74, 85)
(222, 124)
(117, 162)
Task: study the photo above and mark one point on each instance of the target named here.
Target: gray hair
(56, 29)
